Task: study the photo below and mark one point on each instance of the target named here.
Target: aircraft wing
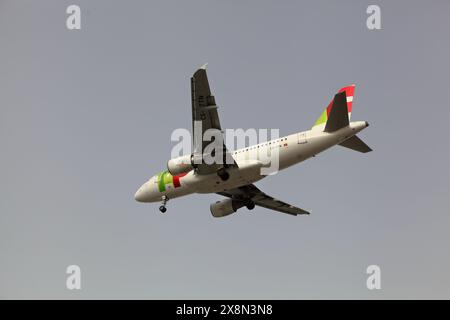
(251, 192)
(204, 111)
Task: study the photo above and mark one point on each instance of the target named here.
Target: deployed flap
(356, 144)
(251, 192)
(338, 117)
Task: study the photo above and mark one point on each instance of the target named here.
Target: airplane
(235, 180)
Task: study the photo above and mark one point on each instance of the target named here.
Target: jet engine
(225, 207)
(181, 164)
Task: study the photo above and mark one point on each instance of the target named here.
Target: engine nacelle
(180, 165)
(225, 207)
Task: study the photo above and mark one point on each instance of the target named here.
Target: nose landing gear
(163, 208)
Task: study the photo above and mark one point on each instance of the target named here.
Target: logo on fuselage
(165, 178)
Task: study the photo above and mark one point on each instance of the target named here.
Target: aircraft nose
(140, 195)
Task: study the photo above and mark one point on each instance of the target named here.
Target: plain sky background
(86, 117)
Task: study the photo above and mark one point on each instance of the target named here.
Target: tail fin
(338, 116)
(322, 120)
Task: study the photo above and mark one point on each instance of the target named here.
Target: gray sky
(86, 117)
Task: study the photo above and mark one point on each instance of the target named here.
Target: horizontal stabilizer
(338, 116)
(356, 144)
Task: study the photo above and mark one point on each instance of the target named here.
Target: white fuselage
(291, 149)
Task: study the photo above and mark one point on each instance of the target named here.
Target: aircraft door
(301, 138)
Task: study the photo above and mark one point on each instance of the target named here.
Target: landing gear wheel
(250, 206)
(223, 174)
(163, 209)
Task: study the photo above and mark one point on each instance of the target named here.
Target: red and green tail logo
(349, 92)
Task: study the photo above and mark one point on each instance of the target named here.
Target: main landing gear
(163, 208)
(250, 205)
(223, 174)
